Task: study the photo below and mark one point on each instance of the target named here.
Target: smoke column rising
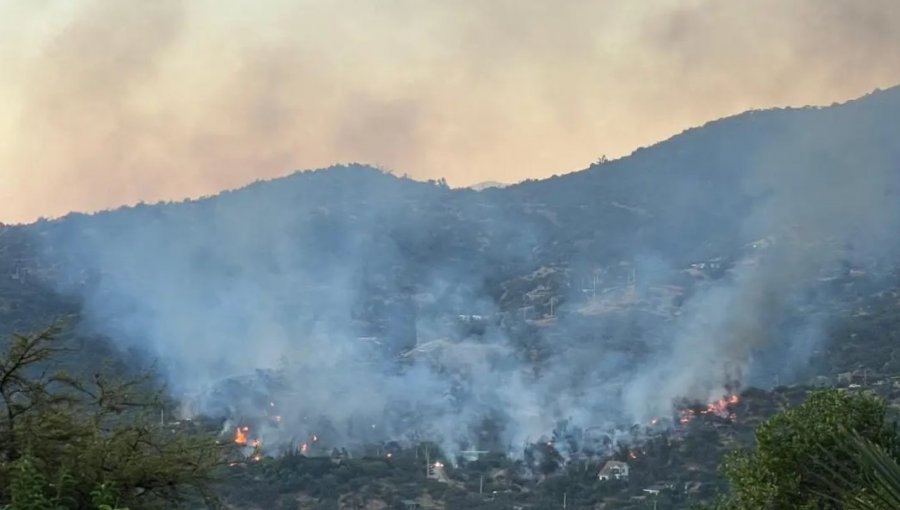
(346, 286)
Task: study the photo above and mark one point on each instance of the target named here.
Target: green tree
(875, 465)
(70, 442)
(799, 452)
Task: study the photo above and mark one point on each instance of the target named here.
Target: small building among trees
(613, 470)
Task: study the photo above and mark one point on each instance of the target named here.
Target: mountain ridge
(888, 97)
(742, 253)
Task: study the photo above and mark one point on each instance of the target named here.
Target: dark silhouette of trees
(69, 442)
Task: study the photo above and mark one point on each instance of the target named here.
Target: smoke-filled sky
(107, 103)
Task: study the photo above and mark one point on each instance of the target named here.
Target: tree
(878, 469)
(798, 453)
(67, 442)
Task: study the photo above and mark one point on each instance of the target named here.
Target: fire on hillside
(249, 437)
(240, 435)
(721, 408)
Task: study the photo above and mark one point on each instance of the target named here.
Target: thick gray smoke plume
(348, 306)
(314, 292)
(825, 195)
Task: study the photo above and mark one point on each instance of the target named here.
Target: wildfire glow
(240, 435)
(718, 408)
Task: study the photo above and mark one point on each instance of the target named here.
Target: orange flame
(240, 435)
(719, 408)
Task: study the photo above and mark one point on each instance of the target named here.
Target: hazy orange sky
(104, 103)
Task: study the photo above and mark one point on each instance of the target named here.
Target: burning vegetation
(567, 444)
(240, 435)
(721, 408)
(242, 439)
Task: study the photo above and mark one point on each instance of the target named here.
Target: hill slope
(724, 256)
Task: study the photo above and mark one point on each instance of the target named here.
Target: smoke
(825, 194)
(304, 298)
(106, 103)
(352, 306)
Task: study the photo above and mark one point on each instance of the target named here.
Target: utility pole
(481, 486)
(564, 499)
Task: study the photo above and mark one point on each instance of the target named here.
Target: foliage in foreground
(831, 452)
(872, 463)
(70, 443)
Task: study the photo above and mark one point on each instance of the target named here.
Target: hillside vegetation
(753, 256)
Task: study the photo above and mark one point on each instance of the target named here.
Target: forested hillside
(757, 251)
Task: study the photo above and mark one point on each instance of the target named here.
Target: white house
(613, 470)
